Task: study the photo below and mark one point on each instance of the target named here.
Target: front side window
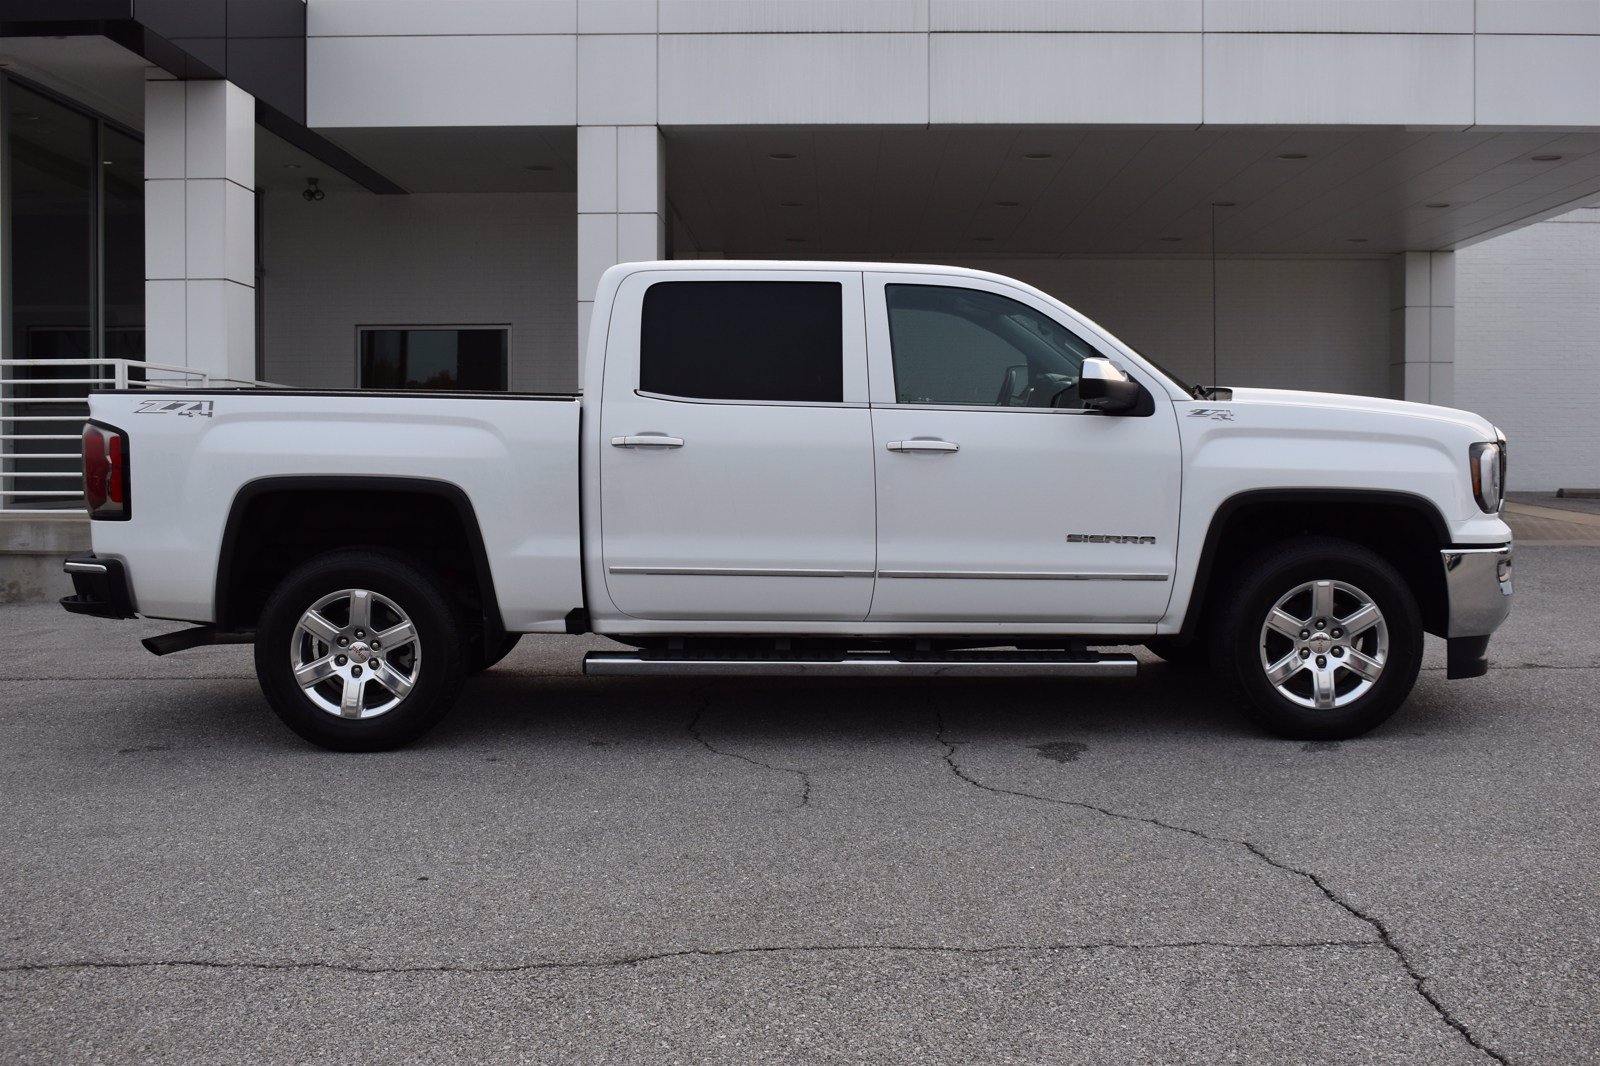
(780, 341)
(954, 346)
(433, 357)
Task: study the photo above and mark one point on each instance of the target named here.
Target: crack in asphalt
(693, 729)
(1377, 925)
(687, 953)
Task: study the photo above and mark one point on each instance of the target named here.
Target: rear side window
(744, 340)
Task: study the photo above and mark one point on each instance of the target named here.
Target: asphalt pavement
(578, 870)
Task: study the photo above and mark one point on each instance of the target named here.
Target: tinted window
(744, 340)
(970, 347)
(466, 359)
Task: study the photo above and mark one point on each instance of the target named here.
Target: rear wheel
(359, 651)
(1323, 639)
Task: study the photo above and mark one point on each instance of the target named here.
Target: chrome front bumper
(1478, 581)
(1478, 585)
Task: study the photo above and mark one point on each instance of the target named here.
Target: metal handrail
(87, 375)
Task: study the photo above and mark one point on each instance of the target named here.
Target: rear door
(1000, 498)
(736, 477)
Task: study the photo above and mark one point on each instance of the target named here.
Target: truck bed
(514, 457)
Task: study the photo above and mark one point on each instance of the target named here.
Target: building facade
(1332, 194)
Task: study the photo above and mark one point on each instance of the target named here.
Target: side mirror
(1103, 387)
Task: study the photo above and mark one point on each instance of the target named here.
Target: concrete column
(1422, 327)
(622, 206)
(199, 219)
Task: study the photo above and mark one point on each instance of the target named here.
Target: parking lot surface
(619, 871)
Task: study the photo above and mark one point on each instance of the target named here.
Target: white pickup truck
(807, 469)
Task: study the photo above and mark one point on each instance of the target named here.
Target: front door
(736, 448)
(1000, 498)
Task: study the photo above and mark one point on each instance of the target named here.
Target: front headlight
(1487, 463)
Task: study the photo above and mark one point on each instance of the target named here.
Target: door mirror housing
(1102, 386)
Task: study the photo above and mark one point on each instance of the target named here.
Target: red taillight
(114, 478)
(105, 471)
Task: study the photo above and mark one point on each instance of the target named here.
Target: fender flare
(1252, 497)
(493, 624)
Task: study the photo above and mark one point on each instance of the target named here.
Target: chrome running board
(860, 664)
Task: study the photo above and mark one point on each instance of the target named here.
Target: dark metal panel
(64, 10)
(266, 18)
(175, 19)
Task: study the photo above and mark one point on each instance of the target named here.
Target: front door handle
(647, 440)
(923, 445)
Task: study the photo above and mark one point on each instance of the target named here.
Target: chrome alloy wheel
(355, 654)
(1324, 644)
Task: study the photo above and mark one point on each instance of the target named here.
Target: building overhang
(258, 45)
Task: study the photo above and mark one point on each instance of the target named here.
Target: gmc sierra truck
(798, 468)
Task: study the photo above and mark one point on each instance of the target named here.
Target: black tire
(1237, 642)
(1194, 655)
(483, 659)
(436, 666)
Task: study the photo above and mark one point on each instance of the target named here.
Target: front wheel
(1322, 639)
(359, 651)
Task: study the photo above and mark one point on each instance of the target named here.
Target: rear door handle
(923, 445)
(647, 440)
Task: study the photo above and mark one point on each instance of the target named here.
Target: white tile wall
(1066, 78)
(1539, 81)
(1265, 62)
(641, 176)
(1538, 16)
(1527, 319)
(166, 331)
(707, 79)
(1065, 16)
(371, 18)
(1339, 16)
(165, 103)
(163, 242)
(442, 81)
(793, 16)
(617, 79)
(357, 259)
(616, 16)
(1313, 79)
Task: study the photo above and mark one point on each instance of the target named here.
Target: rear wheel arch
(1404, 528)
(276, 524)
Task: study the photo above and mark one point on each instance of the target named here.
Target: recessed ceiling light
(1545, 158)
(1291, 155)
(291, 166)
(783, 155)
(109, 162)
(1223, 203)
(792, 203)
(1007, 203)
(1356, 240)
(1038, 155)
(1438, 203)
(538, 168)
(1172, 240)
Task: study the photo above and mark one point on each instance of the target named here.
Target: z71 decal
(185, 408)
